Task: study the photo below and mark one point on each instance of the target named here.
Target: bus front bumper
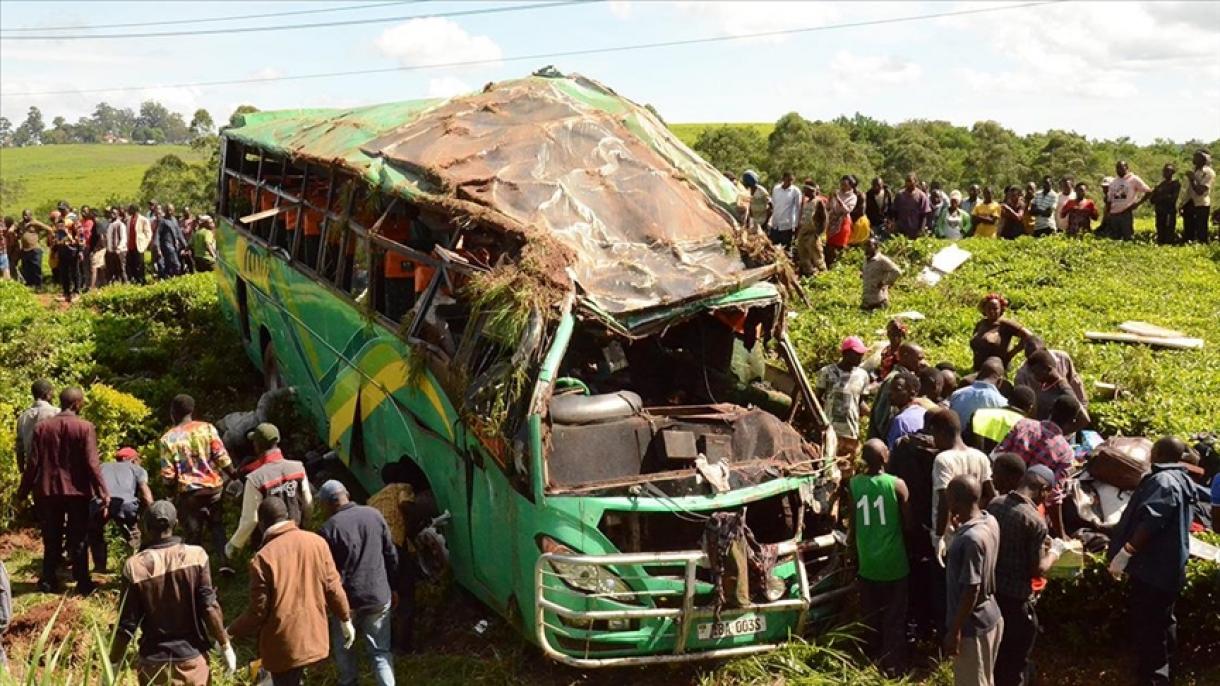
(657, 622)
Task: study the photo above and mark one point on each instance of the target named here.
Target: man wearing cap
(758, 212)
(270, 475)
(840, 387)
(194, 463)
(1025, 554)
(364, 553)
(876, 276)
(127, 483)
(293, 581)
(169, 597)
(63, 473)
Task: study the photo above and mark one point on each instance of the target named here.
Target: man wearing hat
(127, 483)
(169, 597)
(270, 475)
(1025, 554)
(840, 387)
(758, 213)
(366, 558)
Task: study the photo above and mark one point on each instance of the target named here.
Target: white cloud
(621, 9)
(266, 73)
(64, 56)
(762, 16)
(435, 40)
(447, 87)
(855, 75)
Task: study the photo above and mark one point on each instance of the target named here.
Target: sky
(1102, 69)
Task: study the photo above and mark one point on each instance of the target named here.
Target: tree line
(153, 122)
(957, 156)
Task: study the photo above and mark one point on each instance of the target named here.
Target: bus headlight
(589, 578)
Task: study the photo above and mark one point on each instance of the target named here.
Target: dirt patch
(26, 627)
(27, 540)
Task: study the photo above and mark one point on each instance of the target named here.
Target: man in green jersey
(880, 511)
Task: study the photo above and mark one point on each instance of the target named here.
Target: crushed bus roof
(648, 222)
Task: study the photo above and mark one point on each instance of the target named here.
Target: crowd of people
(356, 567)
(817, 226)
(88, 248)
(960, 511)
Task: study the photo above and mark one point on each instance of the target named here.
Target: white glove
(1058, 547)
(349, 633)
(230, 552)
(230, 658)
(1118, 565)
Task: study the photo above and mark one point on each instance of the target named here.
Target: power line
(316, 25)
(203, 20)
(552, 55)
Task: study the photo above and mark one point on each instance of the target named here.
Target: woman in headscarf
(993, 334)
(952, 221)
(838, 224)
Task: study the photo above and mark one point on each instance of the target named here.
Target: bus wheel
(272, 380)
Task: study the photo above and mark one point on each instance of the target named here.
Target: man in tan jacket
(139, 236)
(293, 580)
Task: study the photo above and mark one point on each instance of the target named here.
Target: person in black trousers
(1165, 201)
(1150, 547)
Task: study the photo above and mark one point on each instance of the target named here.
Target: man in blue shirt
(904, 390)
(1151, 544)
(983, 393)
(364, 554)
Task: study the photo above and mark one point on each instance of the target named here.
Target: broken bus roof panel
(646, 218)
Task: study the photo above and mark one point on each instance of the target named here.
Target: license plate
(745, 625)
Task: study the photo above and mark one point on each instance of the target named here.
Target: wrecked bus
(540, 301)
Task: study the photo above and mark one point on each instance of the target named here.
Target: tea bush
(1059, 289)
(133, 348)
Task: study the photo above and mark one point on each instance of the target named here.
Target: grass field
(82, 174)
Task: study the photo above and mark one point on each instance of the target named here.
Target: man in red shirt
(63, 473)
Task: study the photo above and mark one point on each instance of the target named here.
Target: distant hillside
(40, 176)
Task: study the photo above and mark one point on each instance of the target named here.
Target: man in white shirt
(42, 408)
(1198, 198)
(954, 459)
(1127, 192)
(785, 212)
(1043, 208)
(1066, 184)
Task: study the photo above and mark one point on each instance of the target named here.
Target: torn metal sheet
(649, 222)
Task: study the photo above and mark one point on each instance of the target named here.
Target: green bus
(540, 302)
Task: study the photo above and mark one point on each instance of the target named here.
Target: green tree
(912, 149)
(6, 132)
(201, 123)
(995, 159)
(30, 131)
(822, 151)
(189, 183)
(732, 148)
(1065, 153)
